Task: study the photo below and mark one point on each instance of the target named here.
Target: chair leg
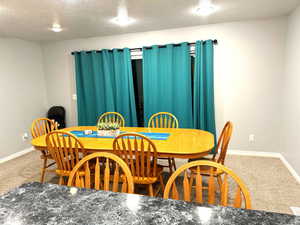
(174, 164)
(219, 181)
(150, 190)
(161, 180)
(61, 180)
(191, 181)
(170, 165)
(43, 171)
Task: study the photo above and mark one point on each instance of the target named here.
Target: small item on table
(87, 132)
(109, 129)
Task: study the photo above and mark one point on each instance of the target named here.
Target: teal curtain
(104, 83)
(204, 107)
(167, 82)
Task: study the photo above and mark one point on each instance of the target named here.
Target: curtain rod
(140, 49)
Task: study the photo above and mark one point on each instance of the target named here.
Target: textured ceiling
(31, 19)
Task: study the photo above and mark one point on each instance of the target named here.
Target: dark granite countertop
(36, 204)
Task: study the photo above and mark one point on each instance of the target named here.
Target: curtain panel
(167, 82)
(104, 83)
(203, 101)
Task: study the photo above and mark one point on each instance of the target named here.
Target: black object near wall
(58, 113)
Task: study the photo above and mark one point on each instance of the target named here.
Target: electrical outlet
(251, 138)
(25, 136)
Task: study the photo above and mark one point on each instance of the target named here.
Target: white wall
(22, 92)
(291, 93)
(248, 70)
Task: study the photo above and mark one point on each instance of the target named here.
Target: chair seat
(205, 170)
(67, 172)
(202, 158)
(148, 180)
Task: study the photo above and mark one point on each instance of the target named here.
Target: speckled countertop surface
(37, 204)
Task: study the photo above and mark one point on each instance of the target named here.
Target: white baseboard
(16, 155)
(290, 168)
(296, 210)
(254, 153)
(267, 154)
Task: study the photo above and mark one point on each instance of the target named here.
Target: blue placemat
(152, 136)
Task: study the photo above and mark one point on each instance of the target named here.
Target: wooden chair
(91, 173)
(112, 117)
(67, 150)
(41, 127)
(140, 154)
(164, 120)
(223, 143)
(221, 151)
(240, 198)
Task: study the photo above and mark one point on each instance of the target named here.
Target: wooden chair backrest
(112, 117)
(241, 194)
(42, 126)
(163, 120)
(139, 153)
(65, 148)
(223, 142)
(102, 171)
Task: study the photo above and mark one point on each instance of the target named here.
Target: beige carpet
(271, 185)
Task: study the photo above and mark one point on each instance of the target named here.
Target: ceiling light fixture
(206, 8)
(56, 28)
(122, 18)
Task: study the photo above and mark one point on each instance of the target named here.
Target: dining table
(170, 142)
(44, 203)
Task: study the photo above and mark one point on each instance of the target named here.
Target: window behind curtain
(137, 71)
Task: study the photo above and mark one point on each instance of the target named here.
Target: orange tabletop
(182, 143)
